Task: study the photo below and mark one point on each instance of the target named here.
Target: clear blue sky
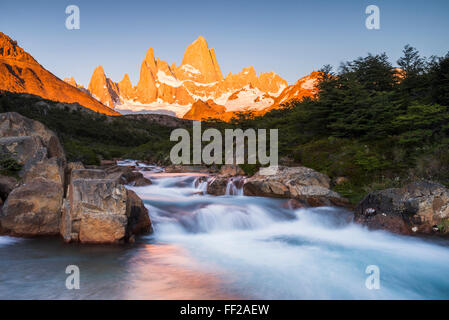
(290, 37)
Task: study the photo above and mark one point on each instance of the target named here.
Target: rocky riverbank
(306, 186)
(47, 196)
(419, 208)
(50, 197)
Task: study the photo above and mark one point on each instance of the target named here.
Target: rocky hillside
(20, 72)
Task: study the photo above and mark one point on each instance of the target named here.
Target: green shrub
(250, 169)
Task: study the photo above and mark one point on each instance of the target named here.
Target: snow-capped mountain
(174, 89)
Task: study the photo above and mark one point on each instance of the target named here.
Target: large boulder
(33, 209)
(50, 169)
(138, 218)
(97, 207)
(27, 151)
(12, 124)
(101, 210)
(217, 186)
(294, 182)
(418, 208)
(33, 204)
(97, 211)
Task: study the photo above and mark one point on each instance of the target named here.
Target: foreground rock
(32, 205)
(300, 183)
(217, 186)
(418, 208)
(101, 210)
(15, 125)
(33, 209)
(52, 198)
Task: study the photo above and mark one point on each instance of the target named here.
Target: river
(230, 247)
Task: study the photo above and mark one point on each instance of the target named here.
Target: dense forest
(372, 124)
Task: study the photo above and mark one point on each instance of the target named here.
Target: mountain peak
(126, 78)
(126, 89)
(99, 74)
(149, 57)
(201, 58)
(201, 39)
(103, 88)
(99, 69)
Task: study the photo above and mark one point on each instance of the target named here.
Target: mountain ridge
(21, 73)
(198, 78)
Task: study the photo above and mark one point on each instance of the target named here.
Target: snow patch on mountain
(157, 107)
(248, 98)
(168, 79)
(190, 69)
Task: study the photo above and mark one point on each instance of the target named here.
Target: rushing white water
(235, 186)
(268, 251)
(4, 241)
(207, 247)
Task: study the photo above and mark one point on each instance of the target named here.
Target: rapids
(230, 247)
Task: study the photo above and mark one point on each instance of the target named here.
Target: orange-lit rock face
(203, 110)
(126, 89)
(73, 83)
(199, 63)
(19, 72)
(199, 77)
(103, 89)
(146, 89)
(304, 87)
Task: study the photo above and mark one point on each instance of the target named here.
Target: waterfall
(235, 186)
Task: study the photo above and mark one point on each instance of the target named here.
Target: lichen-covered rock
(417, 208)
(27, 151)
(13, 124)
(217, 186)
(101, 210)
(99, 207)
(71, 166)
(50, 169)
(88, 174)
(33, 206)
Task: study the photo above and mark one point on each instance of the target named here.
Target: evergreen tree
(413, 80)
